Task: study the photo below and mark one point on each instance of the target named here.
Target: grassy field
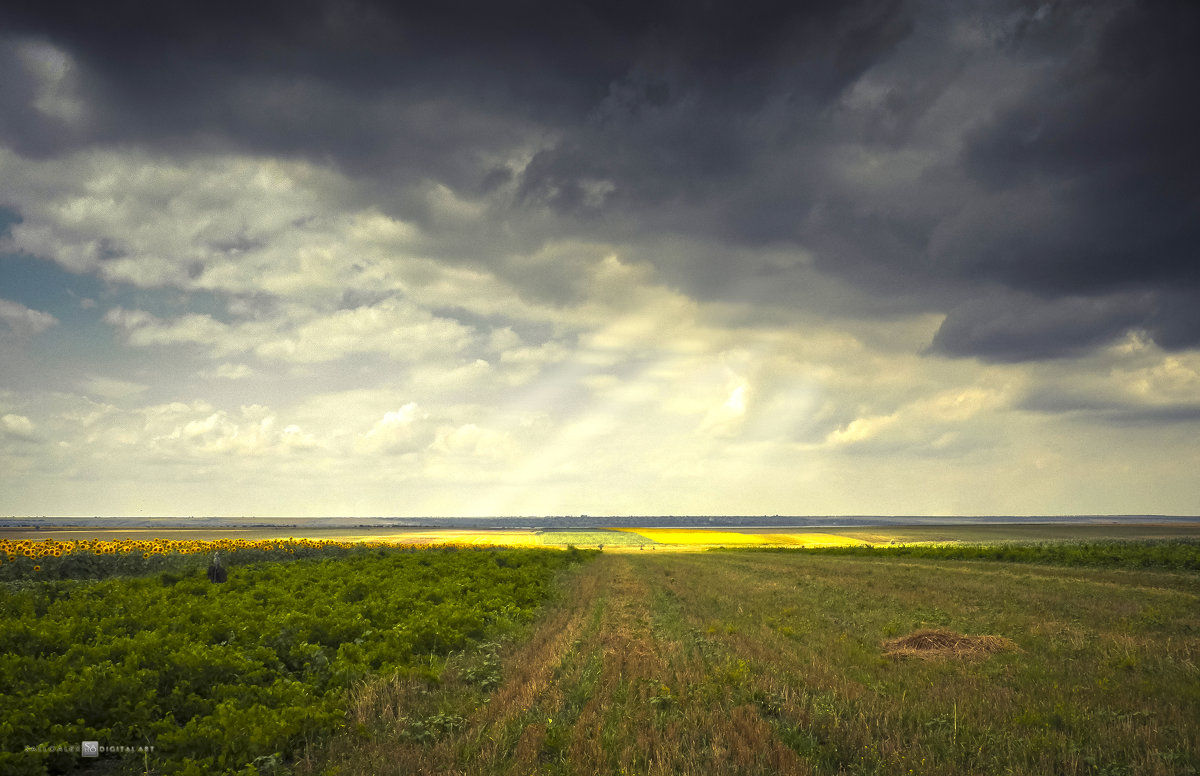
(777, 663)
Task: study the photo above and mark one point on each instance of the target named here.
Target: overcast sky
(326, 257)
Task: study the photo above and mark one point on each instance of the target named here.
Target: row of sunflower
(95, 558)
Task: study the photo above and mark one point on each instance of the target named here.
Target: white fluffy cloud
(154, 221)
(931, 424)
(405, 430)
(111, 388)
(394, 328)
(230, 224)
(228, 371)
(474, 441)
(17, 426)
(21, 320)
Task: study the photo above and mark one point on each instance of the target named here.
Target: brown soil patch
(943, 643)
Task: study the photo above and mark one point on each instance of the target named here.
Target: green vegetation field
(748, 661)
(201, 678)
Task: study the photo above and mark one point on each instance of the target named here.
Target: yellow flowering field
(511, 537)
(709, 537)
(507, 538)
(688, 536)
(814, 540)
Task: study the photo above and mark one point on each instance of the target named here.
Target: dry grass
(943, 643)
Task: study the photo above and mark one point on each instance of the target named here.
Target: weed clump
(944, 643)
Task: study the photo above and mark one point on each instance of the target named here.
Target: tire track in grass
(799, 695)
(469, 734)
(657, 707)
(508, 734)
(719, 699)
(612, 681)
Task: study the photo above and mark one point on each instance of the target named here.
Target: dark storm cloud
(1113, 133)
(1104, 153)
(710, 99)
(1058, 401)
(1014, 327)
(25, 130)
(8, 218)
(340, 79)
(362, 84)
(1077, 182)
(1060, 168)
(180, 66)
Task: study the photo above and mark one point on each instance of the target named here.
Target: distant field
(708, 537)
(514, 538)
(606, 538)
(690, 536)
(658, 538)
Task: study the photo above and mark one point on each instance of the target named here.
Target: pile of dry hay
(942, 643)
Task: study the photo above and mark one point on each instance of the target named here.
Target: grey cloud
(1102, 153)
(23, 127)
(17, 427)
(1155, 416)
(237, 243)
(18, 320)
(340, 82)
(1069, 216)
(1175, 320)
(495, 178)
(1018, 327)
(716, 97)
(1057, 400)
(347, 80)
(9, 218)
(259, 72)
